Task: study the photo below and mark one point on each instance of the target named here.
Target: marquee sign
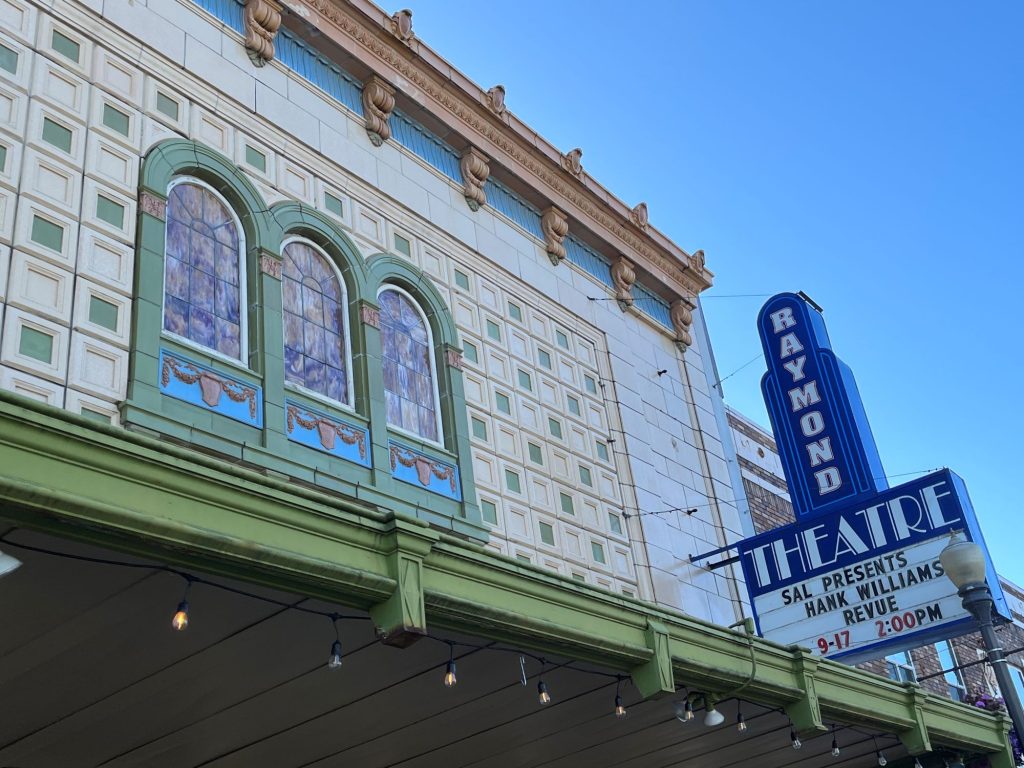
(857, 575)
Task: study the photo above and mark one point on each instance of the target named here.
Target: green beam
(62, 473)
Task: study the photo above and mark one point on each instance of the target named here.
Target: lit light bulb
(684, 711)
(449, 675)
(881, 758)
(180, 620)
(334, 662)
(835, 748)
(542, 693)
(795, 739)
(741, 724)
(620, 711)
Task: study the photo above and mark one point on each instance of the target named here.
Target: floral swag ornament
(328, 431)
(211, 386)
(424, 467)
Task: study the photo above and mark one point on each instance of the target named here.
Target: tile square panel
(98, 368)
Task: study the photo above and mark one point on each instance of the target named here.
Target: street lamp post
(964, 564)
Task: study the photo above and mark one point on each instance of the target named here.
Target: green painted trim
(387, 269)
(66, 474)
(654, 677)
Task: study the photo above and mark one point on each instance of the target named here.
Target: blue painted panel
(228, 11)
(651, 305)
(872, 564)
(199, 385)
(503, 199)
(416, 468)
(327, 433)
(313, 66)
(589, 260)
(426, 145)
(825, 443)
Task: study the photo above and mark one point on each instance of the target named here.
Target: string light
(334, 660)
(449, 674)
(835, 744)
(179, 621)
(917, 763)
(881, 758)
(794, 738)
(741, 723)
(620, 710)
(684, 711)
(542, 693)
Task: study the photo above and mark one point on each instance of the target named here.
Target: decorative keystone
(496, 99)
(401, 26)
(681, 314)
(378, 101)
(623, 273)
(639, 215)
(475, 170)
(555, 225)
(262, 19)
(572, 161)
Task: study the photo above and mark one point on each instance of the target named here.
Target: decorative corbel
(555, 225)
(639, 215)
(572, 162)
(623, 273)
(681, 314)
(496, 97)
(697, 261)
(475, 170)
(262, 19)
(401, 25)
(378, 101)
(655, 678)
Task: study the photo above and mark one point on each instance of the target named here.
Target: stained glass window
(202, 281)
(314, 322)
(408, 376)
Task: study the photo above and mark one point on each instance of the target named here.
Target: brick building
(947, 668)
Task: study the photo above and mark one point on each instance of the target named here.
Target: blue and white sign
(866, 580)
(857, 575)
(827, 449)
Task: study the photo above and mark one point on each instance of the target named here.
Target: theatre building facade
(309, 342)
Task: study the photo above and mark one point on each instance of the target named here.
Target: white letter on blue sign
(789, 345)
(811, 423)
(931, 503)
(828, 480)
(783, 319)
(801, 397)
(820, 451)
(796, 367)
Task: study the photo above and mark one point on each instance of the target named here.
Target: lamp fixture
(620, 710)
(8, 563)
(835, 744)
(741, 723)
(334, 660)
(881, 758)
(712, 717)
(794, 739)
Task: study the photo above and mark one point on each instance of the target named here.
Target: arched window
(410, 382)
(204, 293)
(315, 322)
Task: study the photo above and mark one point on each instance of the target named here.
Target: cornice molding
(424, 77)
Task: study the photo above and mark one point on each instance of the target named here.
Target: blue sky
(868, 153)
